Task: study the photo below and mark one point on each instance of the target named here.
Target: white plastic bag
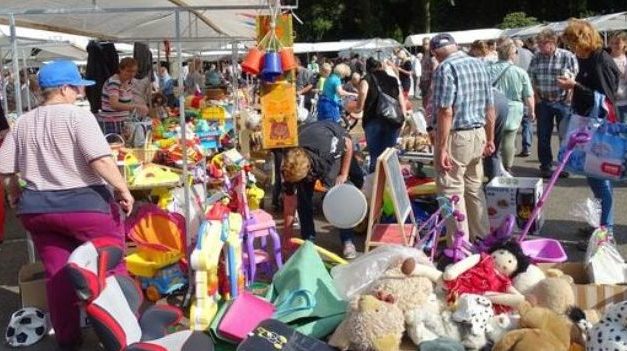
(356, 277)
(604, 263)
(589, 211)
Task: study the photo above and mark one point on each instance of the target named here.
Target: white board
(396, 185)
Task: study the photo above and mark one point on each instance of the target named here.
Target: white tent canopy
(461, 37)
(346, 45)
(604, 23)
(226, 20)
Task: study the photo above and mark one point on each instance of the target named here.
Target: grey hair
(47, 93)
(504, 50)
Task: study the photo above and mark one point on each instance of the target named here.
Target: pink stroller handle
(575, 139)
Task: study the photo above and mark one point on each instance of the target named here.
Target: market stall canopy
(346, 45)
(98, 19)
(461, 37)
(40, 50)
(603, 23)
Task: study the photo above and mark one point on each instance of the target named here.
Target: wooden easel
(388, 173)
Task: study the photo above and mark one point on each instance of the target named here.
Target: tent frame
(178, 39)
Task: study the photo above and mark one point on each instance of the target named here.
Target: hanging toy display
(270, 58)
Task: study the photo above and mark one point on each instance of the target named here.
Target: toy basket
(144, 154)
(116, 143)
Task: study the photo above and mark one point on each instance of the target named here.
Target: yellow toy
(213, 113)
(212, 237)
(255, 195)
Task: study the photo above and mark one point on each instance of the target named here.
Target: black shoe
(524, 154)
(564, 174)
(546, 173)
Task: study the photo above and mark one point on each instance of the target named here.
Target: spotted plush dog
(475, 313)
(611, 332)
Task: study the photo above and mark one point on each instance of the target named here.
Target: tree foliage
(358, 19)
(516, 20)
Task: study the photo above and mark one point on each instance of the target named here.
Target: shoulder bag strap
(501, 75)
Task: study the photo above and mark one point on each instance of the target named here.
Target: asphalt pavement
(559, 224)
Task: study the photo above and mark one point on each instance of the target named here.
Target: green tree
(516, 20)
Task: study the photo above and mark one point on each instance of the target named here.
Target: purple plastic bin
(544, 250)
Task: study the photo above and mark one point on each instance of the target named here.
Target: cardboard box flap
(587, 295)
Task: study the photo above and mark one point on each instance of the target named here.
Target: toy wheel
(153, 294)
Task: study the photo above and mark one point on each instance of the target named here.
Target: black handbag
(388, 107)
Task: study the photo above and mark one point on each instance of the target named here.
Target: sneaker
(564, 174)
(349, 252)
(524, 153)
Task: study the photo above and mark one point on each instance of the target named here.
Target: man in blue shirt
(463, 119)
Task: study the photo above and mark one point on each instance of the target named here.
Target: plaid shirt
(544, 70)
(461, 82)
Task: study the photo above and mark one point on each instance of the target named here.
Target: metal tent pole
(3, 91)
(27, 82)
(16, 68)
(234, 83)
(186, 190)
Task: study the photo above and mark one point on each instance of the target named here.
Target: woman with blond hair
(597, 74)
(331, 96)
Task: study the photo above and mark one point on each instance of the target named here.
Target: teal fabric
(330, 87)
(305, 271)
(515, 85)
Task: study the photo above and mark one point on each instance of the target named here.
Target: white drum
(344, 206)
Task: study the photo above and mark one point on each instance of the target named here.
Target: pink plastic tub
(544, 250)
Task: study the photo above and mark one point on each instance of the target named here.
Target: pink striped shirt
(51, 148)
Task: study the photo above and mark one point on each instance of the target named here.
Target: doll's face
(505, 262)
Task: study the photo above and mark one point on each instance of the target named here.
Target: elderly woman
(60, 153)
(117, 98)
(515, 84)
(331, 96)
(597, 73)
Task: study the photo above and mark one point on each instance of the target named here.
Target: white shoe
(349, 252)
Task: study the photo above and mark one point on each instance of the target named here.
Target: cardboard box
(32, 282)
(516, 196)
(587, 295)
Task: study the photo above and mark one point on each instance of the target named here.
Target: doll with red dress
(489, 275)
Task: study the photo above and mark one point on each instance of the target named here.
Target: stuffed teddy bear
(541, 330)
(409, 283)
(554, 292)
(489, 275)
(611, 332)
(371, 324)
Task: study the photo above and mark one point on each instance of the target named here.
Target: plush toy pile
(511, 305)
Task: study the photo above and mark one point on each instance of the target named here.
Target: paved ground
(559, 224)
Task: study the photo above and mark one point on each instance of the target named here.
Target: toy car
(165, 282)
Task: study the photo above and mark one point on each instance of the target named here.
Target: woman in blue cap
(60, 153)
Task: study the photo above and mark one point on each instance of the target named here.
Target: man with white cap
(463, 122)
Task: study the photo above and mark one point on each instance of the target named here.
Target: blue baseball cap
(59, 73)
(441, 40)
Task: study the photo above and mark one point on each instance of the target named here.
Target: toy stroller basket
(544, 249)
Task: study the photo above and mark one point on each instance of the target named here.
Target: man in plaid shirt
(463, 119)
(552, 102)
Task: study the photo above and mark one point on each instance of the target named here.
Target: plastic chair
(258, 224)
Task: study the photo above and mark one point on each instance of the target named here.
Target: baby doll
(489, 275)
(159, 106)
